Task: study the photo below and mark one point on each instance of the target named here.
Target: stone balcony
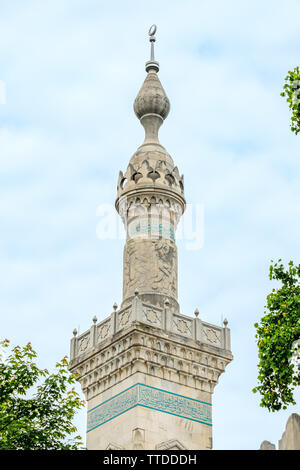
(184, 326)
(142, 338)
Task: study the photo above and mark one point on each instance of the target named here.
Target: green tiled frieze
(149, 397)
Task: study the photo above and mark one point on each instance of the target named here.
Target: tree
(36, 407)
(276, 333)
(292, 94)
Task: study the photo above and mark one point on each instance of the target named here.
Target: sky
(70, 71)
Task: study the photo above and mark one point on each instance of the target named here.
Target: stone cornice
(145, 349)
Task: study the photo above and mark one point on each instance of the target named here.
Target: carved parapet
(151, 340)
(87, 341)
(144, 349)
(164, 319)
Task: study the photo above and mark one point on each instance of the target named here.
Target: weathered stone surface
(150, 267)
(290, 439)
(266, 445)
(152, 98)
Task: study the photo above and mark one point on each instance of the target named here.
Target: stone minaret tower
(147, 371)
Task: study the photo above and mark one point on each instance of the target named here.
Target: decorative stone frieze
(150, 397)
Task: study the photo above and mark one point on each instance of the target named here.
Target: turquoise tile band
(149, 397)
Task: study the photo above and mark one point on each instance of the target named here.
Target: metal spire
(152, 64)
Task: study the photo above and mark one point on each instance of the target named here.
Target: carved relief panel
(124, 318)
(212, 336)
(152, 316)
(84, 343)
(150, 266)
(182, 325)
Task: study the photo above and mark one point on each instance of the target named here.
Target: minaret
(151, 201)
(147, 371)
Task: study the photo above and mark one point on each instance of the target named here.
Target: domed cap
(152, 98)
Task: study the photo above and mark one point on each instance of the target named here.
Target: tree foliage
(36, 407)
(292, 94)
(275, 334)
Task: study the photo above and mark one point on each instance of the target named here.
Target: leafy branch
(292, 94)
(275, 335)
(43, 420)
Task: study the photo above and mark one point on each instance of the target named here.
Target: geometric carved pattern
(152, 316)
(104, 331)
(149, 397)
(182, 326)
(125, 317)
(212, 336)
(84, 343)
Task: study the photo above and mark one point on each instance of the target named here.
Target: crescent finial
(152, 64)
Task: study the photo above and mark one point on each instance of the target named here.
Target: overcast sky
(71, 70)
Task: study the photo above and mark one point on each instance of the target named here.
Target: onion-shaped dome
(152, 98)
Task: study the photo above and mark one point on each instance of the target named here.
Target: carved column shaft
(150, 252)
